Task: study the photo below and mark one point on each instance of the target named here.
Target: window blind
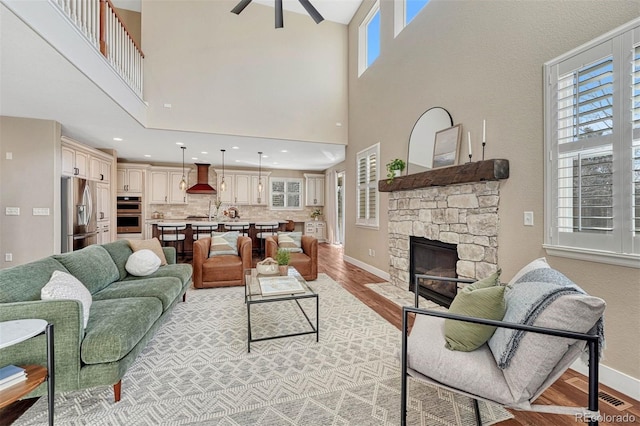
(367, 190)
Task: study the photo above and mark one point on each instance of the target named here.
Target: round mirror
(423, 137)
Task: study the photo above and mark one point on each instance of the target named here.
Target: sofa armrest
(310, 248)
(66, 317)
(201, 249)
(170, 254)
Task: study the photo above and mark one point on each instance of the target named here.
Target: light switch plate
(41, 211)
(528, 218)
(9, 156)
(12, 211)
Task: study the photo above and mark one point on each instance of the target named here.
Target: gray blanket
(526, 302)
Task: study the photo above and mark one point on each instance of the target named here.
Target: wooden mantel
(464, 173)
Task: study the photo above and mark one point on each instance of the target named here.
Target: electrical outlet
(9, 156)
(8, 257)
(12, 211)
(40, 211)
(528, 218)
(373, 253)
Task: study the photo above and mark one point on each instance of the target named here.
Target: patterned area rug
(196, 370)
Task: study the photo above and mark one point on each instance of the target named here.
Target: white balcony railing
(99, 21)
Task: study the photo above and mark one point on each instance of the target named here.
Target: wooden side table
(13, 332)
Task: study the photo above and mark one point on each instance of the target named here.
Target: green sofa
(125, 313)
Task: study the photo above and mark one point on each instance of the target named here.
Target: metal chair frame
(172, 229)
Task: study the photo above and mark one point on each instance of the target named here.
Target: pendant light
(183, 182)
(223, 185)
(259, 172)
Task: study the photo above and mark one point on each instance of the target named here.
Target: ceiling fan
(312, 11)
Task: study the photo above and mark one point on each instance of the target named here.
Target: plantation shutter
(367, 190)
(585, 129)
(635, 135)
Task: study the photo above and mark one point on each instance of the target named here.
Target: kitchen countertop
(206, 219)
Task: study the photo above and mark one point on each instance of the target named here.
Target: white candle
(469, 140)
(484, 131)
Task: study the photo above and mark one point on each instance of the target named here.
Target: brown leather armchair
(306, 262)
(220, 271)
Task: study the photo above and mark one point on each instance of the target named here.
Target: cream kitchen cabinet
(260, 199)
(316, 228)
(130, 181)
(237, 188)
(164, 187)
(314, 188)
(99, 169)
(74, 162)
(104, 202)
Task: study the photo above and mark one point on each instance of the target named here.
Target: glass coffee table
(260, 288)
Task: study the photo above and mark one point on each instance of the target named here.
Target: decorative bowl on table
(267, 267)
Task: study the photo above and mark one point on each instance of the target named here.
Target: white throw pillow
(142, 263)
(62, 285)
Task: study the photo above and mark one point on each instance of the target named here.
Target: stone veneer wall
(464, 214)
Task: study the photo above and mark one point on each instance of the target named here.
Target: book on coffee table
(277, 286)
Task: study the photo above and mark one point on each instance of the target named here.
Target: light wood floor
(353, 279)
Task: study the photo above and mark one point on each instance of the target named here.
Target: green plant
(283, 257)
(392, 166)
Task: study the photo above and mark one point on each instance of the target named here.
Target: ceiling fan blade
(279, 17)
(240, 6)
(312, 11)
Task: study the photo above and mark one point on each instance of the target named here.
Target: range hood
(202, 187)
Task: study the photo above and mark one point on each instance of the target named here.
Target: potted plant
(283, 257)
(394, 168)
(316, 213)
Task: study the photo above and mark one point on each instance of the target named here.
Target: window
(286, 194)
(405, 11)
(369, 39)
(367, 189)
(592, 127)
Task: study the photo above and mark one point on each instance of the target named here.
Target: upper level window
(369, 39)
(367, 189)
(286, 194)
(592, 127)
(405, 11)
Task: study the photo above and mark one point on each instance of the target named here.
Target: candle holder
(483, 144)
(470, 155)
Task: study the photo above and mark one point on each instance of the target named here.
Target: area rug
(196, 370)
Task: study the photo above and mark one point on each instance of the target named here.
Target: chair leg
(476, 409)
(116, 391)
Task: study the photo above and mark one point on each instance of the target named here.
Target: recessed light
(274, 163)
(194, 158)
(147, 155)
(204, 152)
(179, 143)
(338, 124)
(265, 156)
(117, 139)
(235, 147)
(284, 150)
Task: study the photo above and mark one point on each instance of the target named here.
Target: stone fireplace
(464, 215)
(457, 206)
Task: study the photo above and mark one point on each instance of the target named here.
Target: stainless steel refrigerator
(79, 213)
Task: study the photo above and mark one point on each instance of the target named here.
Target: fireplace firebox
(431, 257)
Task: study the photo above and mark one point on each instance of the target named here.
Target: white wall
(483, 60)
(236, 74)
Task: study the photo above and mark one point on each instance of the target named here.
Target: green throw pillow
(224, 243)
(482, 299)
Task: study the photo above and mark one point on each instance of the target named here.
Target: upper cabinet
(81, 161)
(130, 181)
(314, 189)
(241, 187)
(164, 186)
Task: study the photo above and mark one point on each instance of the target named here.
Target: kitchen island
(188, 242)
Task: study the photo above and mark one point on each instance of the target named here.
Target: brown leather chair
(220, 271)
(306, 262)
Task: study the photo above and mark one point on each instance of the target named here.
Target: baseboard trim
(375, 271)
(615, 379)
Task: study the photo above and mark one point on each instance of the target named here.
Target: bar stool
(264, 230)
(241, 227)
(203, 229)
(170, 234)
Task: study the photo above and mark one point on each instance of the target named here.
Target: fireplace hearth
(429, 257)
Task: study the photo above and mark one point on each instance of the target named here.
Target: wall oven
(129, 215)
